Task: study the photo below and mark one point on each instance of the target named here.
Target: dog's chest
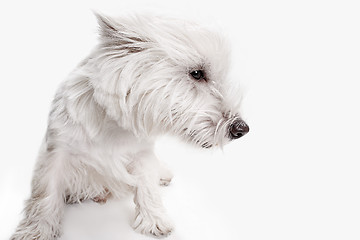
(117, 142)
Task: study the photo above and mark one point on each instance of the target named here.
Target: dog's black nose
(238, 129)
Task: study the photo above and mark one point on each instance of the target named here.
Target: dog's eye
(197, 74)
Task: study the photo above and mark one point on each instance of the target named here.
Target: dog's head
(157, 75)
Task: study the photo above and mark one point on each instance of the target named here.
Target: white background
(296, 175)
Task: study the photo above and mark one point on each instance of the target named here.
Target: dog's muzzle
(238, 129)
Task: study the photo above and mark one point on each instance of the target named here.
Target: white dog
(147, 76)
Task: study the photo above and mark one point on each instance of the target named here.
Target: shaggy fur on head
(147, 76)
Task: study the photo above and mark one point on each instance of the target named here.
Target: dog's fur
(134, 86)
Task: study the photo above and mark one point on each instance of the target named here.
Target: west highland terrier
(147, 76)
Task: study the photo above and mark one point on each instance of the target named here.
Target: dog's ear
(108, 27)
(113, 32)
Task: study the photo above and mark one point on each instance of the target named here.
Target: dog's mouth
(193, 136)
(206, 145)
(225, 131)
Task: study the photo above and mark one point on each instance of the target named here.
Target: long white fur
(105, 117)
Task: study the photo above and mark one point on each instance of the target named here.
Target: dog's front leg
(151, 217)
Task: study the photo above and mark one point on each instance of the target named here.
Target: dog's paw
(100, 199)
(103, 197)
(165, 176)
(154, 226)
(164, 181)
